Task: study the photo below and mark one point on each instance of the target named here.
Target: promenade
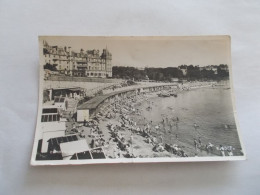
(110, 95)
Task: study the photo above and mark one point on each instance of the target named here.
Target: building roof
(70, 148)
(93, 103)
(53, 126)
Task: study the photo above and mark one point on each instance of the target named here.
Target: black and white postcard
(135, 99)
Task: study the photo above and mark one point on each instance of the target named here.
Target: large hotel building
(90, 63)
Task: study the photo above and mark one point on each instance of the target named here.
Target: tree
(50, 67)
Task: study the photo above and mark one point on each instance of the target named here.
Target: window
(55, 117)
(56, 99)
(44, 118)
(49, 110)
(62, 99)
(50, 118)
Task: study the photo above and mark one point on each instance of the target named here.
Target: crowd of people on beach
(125, 108)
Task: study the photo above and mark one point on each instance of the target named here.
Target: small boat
(166, 95)
(175, 95)
(163, 95)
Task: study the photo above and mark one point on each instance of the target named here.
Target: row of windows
(74, 63)
(91, 74)
(49, 110)
(82, 58)
(50, 118)
(59, 99)
(96, 74)
(93, 68)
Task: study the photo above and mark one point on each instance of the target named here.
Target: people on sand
(158, 148)
(161, 138)
(229, 151)
(199, 141)
(131, 138)
(209, 147)
(170, 127)
(148, 140)
(195, 126)
(130, 126)
(195, 144)
(92, 144)
(222, 150)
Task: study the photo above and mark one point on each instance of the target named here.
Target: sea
(204, 113)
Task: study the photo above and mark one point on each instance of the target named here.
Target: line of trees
(191, 73)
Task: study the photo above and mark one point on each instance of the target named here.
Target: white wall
(82, 114)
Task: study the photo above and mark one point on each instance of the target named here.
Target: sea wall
(82, 79)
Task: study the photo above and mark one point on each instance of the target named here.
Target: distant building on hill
(184, 69)
(213, 68)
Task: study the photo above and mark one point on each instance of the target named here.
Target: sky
(153, 51)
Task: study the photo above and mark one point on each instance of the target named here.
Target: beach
(146, 126)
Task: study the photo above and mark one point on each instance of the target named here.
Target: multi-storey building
(90, 63)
